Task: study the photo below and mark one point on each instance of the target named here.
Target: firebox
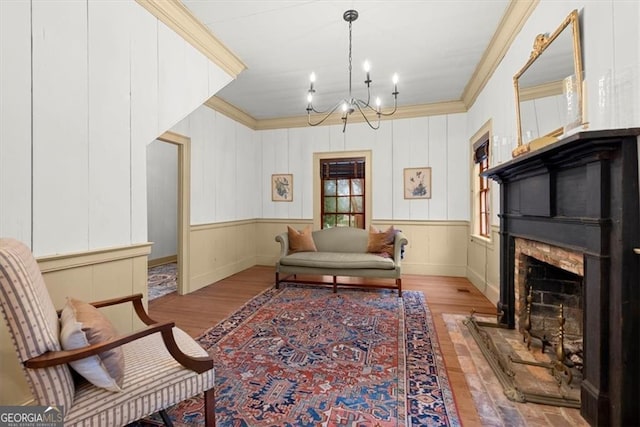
(577, 200)
(551, 277)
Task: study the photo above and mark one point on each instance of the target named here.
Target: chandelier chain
(350, 60)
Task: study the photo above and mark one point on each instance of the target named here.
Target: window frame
(481, 195)
(356, 172)
(317, 183)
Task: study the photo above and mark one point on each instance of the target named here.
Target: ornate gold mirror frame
(553, 74)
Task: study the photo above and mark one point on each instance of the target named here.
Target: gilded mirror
(548, 88)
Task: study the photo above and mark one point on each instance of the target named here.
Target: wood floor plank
(204, 308)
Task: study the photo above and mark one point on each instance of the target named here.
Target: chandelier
(350, 103)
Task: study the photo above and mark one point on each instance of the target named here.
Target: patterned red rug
(304, 356)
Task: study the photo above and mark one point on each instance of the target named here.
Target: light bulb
(344, 106)
(309, 98)
(312, 77)
(367, 66)
(378, 102)
(395, 78)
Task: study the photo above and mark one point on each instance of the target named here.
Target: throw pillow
(381, 242)
(300, 241)
(84, 325)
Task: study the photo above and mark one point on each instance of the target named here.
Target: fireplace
(555, 277)
(574, 206)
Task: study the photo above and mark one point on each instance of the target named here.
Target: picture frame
(417, 183)
(282, 187)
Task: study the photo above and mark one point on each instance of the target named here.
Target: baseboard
(434, 269)
(218, 274)
(163, 260)
(489, 290)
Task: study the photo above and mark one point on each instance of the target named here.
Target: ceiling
(433, 45)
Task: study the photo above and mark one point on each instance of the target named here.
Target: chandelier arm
(328, 110)
(329, 113)
(366, 104)
(351, 103)
(367, 120)
(395, 108)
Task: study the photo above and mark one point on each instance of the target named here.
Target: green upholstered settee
(341, 251)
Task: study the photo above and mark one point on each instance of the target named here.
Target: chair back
(33, 322)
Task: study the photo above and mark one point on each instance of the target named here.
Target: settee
(342, 251)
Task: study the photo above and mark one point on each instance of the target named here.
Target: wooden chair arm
(53, 358)
(135, 299)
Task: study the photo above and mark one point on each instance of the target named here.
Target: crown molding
(510, 25)
(406, 112)
(231, 111)
(541, 91)
(176, 16)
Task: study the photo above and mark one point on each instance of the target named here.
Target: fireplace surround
(581, 194)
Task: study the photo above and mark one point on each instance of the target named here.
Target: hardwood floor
(198, 311)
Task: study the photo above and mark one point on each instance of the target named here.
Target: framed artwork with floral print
(282, 187)
(417, 183)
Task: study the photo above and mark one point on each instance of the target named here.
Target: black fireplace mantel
(581, 193)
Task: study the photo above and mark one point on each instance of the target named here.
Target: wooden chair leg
(335, 285)
(165, 418)
(209, 408)
(399, 285)
(277, 280)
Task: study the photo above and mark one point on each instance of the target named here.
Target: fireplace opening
(542, 359)
(550, 303)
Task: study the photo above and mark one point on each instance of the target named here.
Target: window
(343, 192)
(483, 196)
(481, 203)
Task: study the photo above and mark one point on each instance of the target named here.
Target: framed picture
(282, 187)
(417, 183)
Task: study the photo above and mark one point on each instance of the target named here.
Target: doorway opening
(177, 226)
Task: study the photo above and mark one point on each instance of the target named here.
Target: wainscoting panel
(483, 269)
(435, 247)
(221, 250)
(98, 275)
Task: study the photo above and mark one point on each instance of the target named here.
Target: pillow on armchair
(83, 325)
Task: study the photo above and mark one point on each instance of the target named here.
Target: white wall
(437, 141)
(162, 198)
(85, 86)
(231, 166)
(225, 167)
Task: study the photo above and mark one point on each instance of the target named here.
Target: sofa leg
(277, 280)
(399, 285)
(209, 408)
(335, 285)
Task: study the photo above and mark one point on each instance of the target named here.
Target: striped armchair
(162, 364)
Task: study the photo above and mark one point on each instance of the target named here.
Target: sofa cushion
(381, 242)
(337, 260)
(300, 241)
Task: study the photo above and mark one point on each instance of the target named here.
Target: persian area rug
(304, 356)
(162, 280)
